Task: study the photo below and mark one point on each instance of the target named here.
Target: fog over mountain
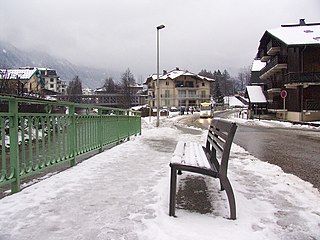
(12, 57)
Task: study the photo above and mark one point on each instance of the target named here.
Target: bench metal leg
(173, 186)
(225, 183)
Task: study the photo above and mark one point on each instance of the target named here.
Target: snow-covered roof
(255, 94)
(206, 78)
(257, 65)
(174, 74)
(100, 89)
(17, 73)
(297, 35)
(44, 68)
(177, 73)
(234, 102)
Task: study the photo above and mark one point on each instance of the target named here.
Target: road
(296, 151)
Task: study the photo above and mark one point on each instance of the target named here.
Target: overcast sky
(121, 34)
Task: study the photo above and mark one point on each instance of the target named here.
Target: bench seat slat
(190, 154)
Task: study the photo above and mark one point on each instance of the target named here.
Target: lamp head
(160, 27)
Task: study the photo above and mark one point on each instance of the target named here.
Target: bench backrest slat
(220, 136)
(216, 140)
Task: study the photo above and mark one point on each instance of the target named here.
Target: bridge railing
(38, 134)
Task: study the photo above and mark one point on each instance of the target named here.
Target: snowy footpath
(123, 193)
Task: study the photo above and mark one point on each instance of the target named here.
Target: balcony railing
(312, 105)
(276, 63)
(296, 78)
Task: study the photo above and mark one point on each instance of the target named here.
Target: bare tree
(244, 77)
(127, 80)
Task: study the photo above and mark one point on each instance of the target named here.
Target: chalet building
(22, 81)
(179, 88)
(292, 57)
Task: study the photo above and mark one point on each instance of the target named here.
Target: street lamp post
(158, 84)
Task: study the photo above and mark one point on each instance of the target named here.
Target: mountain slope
(12, 57)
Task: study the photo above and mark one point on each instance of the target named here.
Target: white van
(206, 110)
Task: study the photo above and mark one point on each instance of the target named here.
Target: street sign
(283, 94)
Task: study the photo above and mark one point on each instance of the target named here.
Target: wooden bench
(211, 160)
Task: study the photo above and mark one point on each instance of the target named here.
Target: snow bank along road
(122, 193)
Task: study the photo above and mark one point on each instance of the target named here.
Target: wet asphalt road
(296, 151)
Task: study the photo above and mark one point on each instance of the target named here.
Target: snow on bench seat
(190, 154)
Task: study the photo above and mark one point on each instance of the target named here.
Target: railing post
(128, 124)
(139, 122)
(14, 155)
(72, 135)
(118, 125)
(100, 130)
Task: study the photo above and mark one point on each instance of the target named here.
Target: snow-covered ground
(269, 123)
(122, 193)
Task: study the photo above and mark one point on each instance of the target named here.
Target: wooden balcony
(273, 47)
(276, 64)
(265, 58)
(296, 78)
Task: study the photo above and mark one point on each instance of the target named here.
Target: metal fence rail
(54, 133)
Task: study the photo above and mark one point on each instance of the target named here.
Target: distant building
(22, 81)
(292, 57)
(52, 81)
(87, 91)
(179, 88)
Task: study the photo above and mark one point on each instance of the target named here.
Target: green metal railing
(55, 133)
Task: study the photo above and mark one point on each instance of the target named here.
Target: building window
(203, 94)
(203, 84)
(51, 80)
(192, 93)
(51, 85)
(167, 83)
(189, 84)
(182, 93)
(179, 84)
(167, 94)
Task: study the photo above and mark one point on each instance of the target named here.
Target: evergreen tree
(218, 95)
(110, 86)
(75, 86)
(206, 73)
(217, 91)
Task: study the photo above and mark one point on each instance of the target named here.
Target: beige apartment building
(179, 88)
